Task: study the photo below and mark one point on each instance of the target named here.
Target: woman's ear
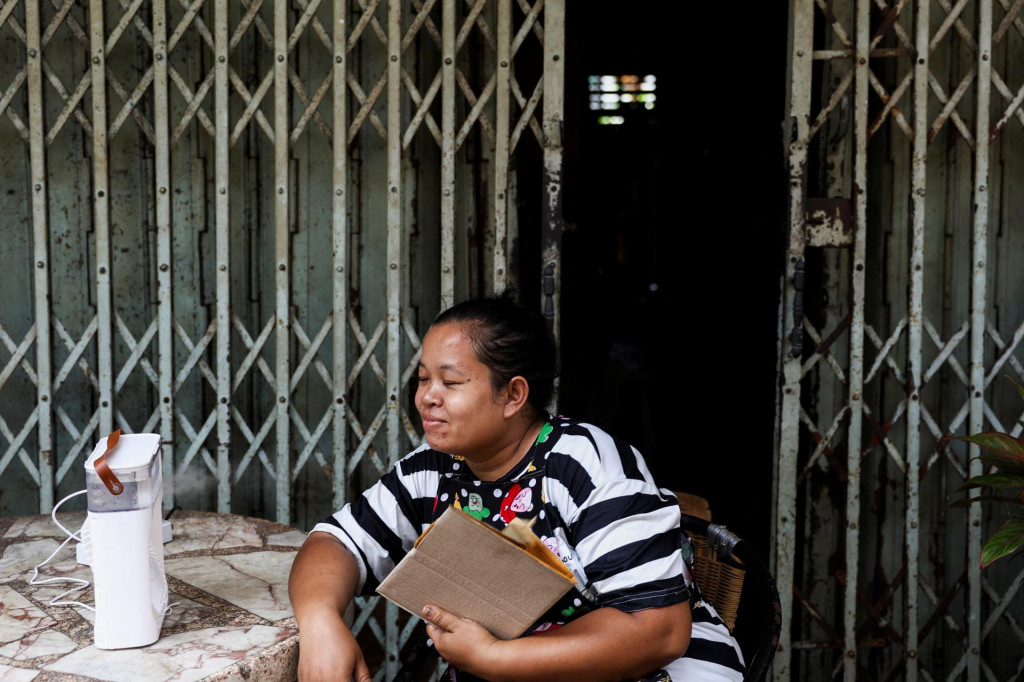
(516, 393)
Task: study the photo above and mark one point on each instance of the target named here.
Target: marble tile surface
(9, 674)
(183, 657)
(252, 581)
(230, 618)
(20, 617)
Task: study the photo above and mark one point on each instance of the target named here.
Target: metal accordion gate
(230, 223)
(900, 319)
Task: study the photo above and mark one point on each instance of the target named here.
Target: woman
(486, 374)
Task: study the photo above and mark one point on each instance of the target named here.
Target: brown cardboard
(464, 566)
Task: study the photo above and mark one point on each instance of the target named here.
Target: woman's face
(461, 413)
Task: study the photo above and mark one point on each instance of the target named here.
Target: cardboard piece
(503, 580)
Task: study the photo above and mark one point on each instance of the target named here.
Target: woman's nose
(427, 395)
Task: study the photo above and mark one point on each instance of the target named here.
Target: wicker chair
(734, 579)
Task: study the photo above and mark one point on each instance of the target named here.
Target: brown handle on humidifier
(103, 470)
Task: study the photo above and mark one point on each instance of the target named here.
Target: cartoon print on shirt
(518, 500)
(475, 507)
(545, 431)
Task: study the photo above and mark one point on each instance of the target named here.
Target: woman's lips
(431, 424)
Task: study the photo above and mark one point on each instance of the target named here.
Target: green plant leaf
(1005, 466)
(997, 442)
(1006, 540)
(1020, 389)
(968, 501)
(1000, 480)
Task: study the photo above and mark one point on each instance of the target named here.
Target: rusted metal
(221, 183)
(40, 254)
(978, 309)
(830, 221)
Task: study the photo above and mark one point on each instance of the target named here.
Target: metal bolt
(393, 266)
(340, 268)
(981, 188)
(95, 60)
(38, 187)
(446, 269)
(100, 194)
(167, 399)
(40, 264)
(913, 524)
(921, 60)
(394, 189)
(851, 654)
(981, 264)
(105, 404)
(340, 401)
(974, 650)
(913, 397)
(223, 190)
(103, 271)
(394, 57)
(44, 398)
(223, 267)
(501, 271)
(447, 60)
(282, 267)
(159, 56)
(164, 267)
(862, 61)
(860, 267)
(280, 57)
(222, 59)
(281, 399)
(984, 57)
(31, 53)
(853, 525)
(799, 53)
(223, 401)
(555, 58)
(504, 64)
(338, 59)
(501, 195)
(447, 192)
(977, 394)
(337, 192)
(280, 190)
(163, 190)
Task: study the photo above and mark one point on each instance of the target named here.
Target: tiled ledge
(230, 618)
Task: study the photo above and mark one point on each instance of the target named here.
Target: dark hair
(510, 340)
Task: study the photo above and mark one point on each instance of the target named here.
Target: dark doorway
(673, 244)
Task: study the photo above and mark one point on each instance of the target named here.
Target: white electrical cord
(82, 584)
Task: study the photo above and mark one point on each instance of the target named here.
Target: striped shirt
(596, 506)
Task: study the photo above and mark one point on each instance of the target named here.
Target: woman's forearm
(606, 644)
(324, 576)
(322, 583)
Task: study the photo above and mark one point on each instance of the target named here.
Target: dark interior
(673, 246)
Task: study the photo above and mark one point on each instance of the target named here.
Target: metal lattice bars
(234, 154)
(904, 121)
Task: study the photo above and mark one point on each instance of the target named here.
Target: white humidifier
(123, 540)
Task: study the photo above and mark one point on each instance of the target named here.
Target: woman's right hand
(328, 652)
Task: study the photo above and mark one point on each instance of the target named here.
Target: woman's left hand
(463, 643)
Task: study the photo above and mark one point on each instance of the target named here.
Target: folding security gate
(901, 314)
(229, 223)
